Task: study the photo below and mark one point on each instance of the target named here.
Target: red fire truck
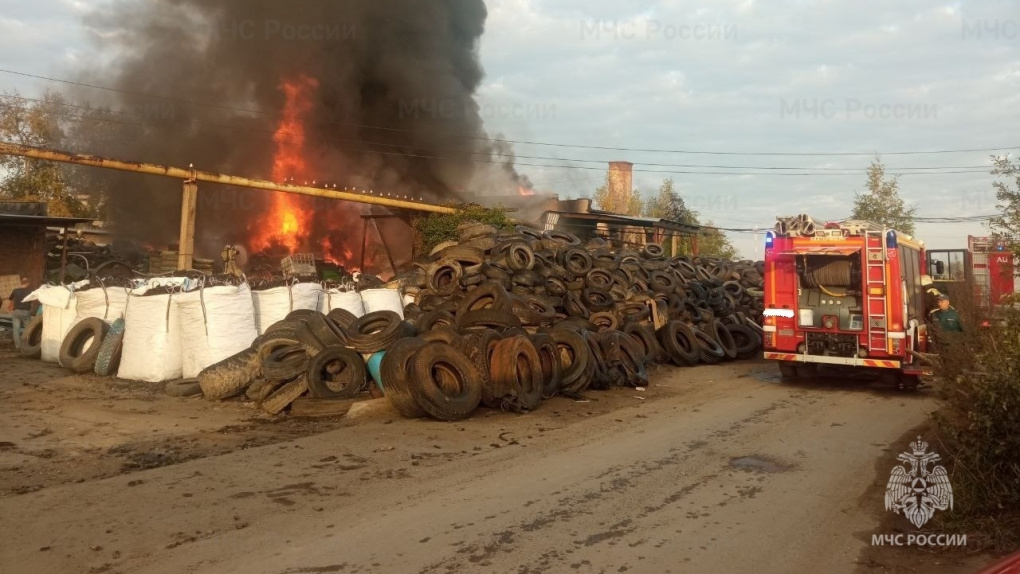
(986, 264)
(846, 295)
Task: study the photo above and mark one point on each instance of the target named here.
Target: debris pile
(501, 320)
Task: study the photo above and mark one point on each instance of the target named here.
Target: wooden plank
(284, 396)
(189, 203)
(312, 407)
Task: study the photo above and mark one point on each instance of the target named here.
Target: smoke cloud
(394, 110)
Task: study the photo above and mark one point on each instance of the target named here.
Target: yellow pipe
(196, 175)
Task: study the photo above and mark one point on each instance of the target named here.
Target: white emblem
(915, 490)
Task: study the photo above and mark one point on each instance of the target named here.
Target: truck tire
(807, 370)
(31, 338)
(788, 370)
(80, 348)
(108, 358)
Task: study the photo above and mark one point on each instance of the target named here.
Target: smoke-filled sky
(723, 76)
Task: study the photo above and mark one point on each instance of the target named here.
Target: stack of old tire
(307, 353)
(507, 319)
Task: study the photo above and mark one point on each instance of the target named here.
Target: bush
(435, 228)
(979, 380)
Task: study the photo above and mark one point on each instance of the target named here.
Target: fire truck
(844, 294)
(986, 266)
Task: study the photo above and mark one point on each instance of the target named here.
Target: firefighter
(229, 254)
(945, 318)
(931, 294)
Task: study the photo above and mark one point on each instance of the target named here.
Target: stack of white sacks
(175, 335)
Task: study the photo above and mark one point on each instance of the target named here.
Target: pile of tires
(504, 321)
(541, 314)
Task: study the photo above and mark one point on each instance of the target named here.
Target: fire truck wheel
(788, 370)
(909, 382)
(807, 370)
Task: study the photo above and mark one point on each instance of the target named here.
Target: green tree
(635, 206)
(669, 205)
(882, 203)
(713, 243)
(37, 123)
(602, 198)
(1006, 225)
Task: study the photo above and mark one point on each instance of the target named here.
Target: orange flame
(525, 191)
(287, 223)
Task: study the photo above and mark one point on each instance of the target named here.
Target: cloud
(726, 75)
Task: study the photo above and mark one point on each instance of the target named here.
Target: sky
(758, 79)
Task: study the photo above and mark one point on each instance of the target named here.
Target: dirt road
(718, 469)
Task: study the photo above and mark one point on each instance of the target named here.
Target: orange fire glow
(287, 222)
(525, 191)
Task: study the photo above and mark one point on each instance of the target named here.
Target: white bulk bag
(383, 300)
(59, 312)
(151, 349)
(216, 323)
(346, 300)
(106, 303)
(273, 305)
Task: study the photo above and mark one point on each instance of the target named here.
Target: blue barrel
(374, 363)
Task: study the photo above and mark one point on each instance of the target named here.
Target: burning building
(339, 93)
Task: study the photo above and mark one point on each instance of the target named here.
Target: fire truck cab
(846, 295)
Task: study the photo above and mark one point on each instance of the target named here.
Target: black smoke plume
(394, 111)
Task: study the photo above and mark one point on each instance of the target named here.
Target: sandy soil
(710, 469)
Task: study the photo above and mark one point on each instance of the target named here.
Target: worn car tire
(231, 376)
(183, 388)
(680, 343)
(549, 360)
(74, 354)
(747, 340)
(108, 359)
(31, 338)
(286, 363)
(445, 382)
(376, 332)
(336, 373)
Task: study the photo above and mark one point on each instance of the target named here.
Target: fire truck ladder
(874, 283)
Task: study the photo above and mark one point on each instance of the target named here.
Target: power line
(601, 167)
(516, 142)
(539, 165)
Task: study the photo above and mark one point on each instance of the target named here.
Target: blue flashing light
(769, 238)
(1000, 248)
(890, 240)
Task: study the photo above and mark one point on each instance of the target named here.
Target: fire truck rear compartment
(830, 299)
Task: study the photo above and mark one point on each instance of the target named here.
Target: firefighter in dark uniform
(945, 318)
